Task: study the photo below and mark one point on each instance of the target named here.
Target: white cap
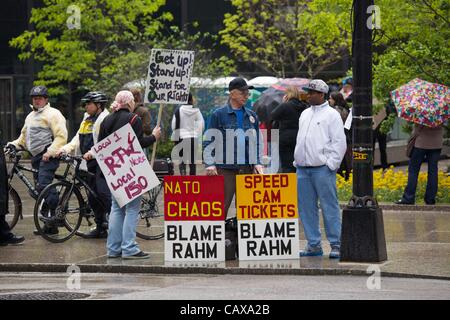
(317, 85)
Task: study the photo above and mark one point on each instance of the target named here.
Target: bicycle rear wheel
(14, 208)
(151, 223)
(60, 224)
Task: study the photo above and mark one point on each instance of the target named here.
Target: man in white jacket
(318, 154)
(187, 126)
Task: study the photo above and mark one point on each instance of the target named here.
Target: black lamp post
(362, 237)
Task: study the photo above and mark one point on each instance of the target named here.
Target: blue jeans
(418, 156)
(122, 229)
(45, 175)
(313, 185)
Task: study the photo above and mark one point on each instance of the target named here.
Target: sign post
(362, 238)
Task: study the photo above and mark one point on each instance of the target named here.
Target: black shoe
(97, 233)
(53, 221)
(401, 201)
(47, 230)
(14, 240)
(139, 255)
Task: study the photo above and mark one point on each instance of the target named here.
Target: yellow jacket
(73, 147)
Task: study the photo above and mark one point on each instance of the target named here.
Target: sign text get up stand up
(194, 218)
(267, 216)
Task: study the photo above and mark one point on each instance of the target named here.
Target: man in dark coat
(6, 236)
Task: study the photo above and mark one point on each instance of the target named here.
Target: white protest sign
(168, 77)
(125, 166)
(268, 239)
(194, 241)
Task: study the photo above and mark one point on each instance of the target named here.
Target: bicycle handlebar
(12, 150)
(69, 158)
(13, 153)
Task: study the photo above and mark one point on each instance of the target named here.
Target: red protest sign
(194, 198)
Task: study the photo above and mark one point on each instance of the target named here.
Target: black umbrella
(273, 96)
(268, 101)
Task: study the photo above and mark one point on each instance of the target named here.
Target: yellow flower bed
(389, 186)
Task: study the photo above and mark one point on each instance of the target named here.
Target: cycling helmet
(39, 91)
(96, 97)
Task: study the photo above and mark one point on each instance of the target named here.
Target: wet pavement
(225, 288)
(418, 245)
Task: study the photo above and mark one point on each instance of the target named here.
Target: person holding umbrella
(287, 115)
(427, 146)
(425, 104)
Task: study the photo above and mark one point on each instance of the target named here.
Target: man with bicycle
(43, 134)
(87, 135)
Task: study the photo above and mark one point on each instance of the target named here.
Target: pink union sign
(125, 166)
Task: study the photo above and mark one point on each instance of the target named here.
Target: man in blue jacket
(237, 145)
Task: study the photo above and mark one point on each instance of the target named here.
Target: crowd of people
(44, 135)
(315, 142)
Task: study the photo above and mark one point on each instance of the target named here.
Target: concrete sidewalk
(418, 245)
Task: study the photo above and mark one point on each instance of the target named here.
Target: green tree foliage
(413, 43)
(134, 66)
(205, 45)
(86, 56)
(281, 36)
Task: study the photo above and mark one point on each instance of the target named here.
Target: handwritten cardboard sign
(267, 216)
(125, 166)
(194, 218)
(168, 77)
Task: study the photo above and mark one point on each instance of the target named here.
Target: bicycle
(73, 206)
(151, 224)
(15, 202)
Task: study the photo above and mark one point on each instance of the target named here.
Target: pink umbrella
(283, 84)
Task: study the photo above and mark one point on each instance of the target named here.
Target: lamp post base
(362, 238)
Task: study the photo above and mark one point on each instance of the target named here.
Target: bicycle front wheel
(151, 223)
(14, 208)
(61, 223)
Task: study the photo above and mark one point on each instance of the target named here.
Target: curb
(413, 207)
(100, 268)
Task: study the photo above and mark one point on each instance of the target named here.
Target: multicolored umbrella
(273, 96)
(422, 102)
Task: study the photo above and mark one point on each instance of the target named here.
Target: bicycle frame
(18, 169)
(78, 181)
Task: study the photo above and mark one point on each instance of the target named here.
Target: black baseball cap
(39, 91)
(240, 84)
